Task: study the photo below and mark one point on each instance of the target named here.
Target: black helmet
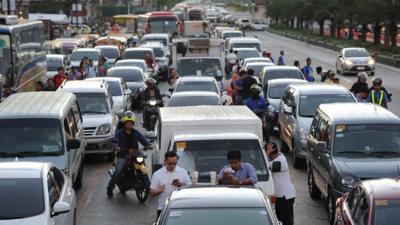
(377, 80)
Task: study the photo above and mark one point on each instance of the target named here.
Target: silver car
(355, 60)
(297, 110)
(35, 193)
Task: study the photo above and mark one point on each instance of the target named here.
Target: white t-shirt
(231, 58)
(282, 184)
(164, 177)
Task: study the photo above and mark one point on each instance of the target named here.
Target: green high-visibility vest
(380, 99)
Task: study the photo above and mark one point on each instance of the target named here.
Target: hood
(305, 122)
(40, 219)
(367, 168)
(95, 120)
(275, 103)
(59, 160)
(51, 74)
(134, 86)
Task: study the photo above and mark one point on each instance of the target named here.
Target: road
(95, 209)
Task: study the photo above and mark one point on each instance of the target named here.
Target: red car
(372, 202)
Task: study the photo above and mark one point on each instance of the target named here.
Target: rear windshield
(193, 100)
(78, 56)
(276, 90)
(153, 39)
(247, 45)
(196, 86)
(202, 67)
(310, 103)
(141, 65)
(110, 53)
(127, 75)
(21, 198)
(136, 54)
(386, 212)
(54, 64)
(279, 74)
(247, 54)
(231, 35)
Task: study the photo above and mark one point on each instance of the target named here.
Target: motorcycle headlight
(348, 62)
(139, 159)
(371, 62)
(349, 181)
(152, 102)
(303, 134)
(104, 129)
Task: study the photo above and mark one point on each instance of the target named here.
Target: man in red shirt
(59, 78)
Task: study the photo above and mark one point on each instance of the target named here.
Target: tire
(313, 190)
(331, 207)
(143, 187)
(78, 182)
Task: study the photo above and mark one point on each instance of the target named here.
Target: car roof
(319, 88)
(194, 93)
(216, 196)
(86, 50)
(156, 35)
(231, 31)
(196, 78)
(57, 56)
(107, 46)
(385, 188)
(138, 49)
(285, 81)
(243, 39)
(125, 68)
(153, 45)
(201, 57)
(260, 64)
(354, 48)
(84, 86)
(281, 68)
(245, 49)
(48, 104)
(22, 169)
(132, 60)
(358, 113)
(119, 79)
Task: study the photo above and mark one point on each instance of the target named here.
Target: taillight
(272, 199)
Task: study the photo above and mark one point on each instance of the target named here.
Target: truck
(203, 135)
(196, 28)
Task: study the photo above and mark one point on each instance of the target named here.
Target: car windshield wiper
(384, 153)
(26, 153)
(93, 112)
(9, 217)
(351, 152)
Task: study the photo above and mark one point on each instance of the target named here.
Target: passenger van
(43, 127)
(243, 42)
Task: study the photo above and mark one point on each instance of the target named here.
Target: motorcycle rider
(379, 80)
(259, 106)
(377, 95)
(360, 83)
(151, 92)
(125, 139)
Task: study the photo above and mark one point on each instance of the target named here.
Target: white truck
(203, 135)
(196, 27)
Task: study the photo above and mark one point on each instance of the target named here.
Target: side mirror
(127, 92)
(171, 90)
(287, 110)
(150, 135)
(73, 144)
(276, 166)
(60, 208)
(321, 147)
(339, 56)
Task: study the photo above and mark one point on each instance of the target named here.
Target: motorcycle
(152, 109)
(134, 177)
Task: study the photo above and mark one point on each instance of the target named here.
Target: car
(372, 202)
(273, 95)
(297, 110)
(139, 53)
(256, 59)
(257, 67)
(227, 205)
(161, 58)
(258, 25)
(218, 30)
(36, 193)
(243, 42)
(99, 119)
(225, 34)
(110, 52)
(279, 72)
(349, 142)
(185, 84)
(161, 38)
(194, 98)
(78, 54)
(243, 23)
(355, 60)
(244, 53)
(133, 76)
(199, 66)
(121, 94)
(55, 61)
(136, 63)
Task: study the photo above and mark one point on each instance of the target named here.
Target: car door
(75, 155)
(315, 157)
(322, 160)
(67, 194)
(293, 123)
(54, 194)
(283, 116)
(288, 119)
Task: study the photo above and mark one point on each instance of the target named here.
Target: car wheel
(78, 182)
(331, 206)
(297, 162)
(313, 190)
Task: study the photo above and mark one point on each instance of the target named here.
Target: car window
(77, 115)
(323, 133)
(71, 123)
(58, 178)
(314, 124)
(52, 189)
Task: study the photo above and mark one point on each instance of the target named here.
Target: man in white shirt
(284, 189)
(231, 59)
(167, 179)
(91, 70)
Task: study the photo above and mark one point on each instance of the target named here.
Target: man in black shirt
(248, 81)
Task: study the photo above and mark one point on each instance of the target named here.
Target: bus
(22, 53)
(159, 22)
(127, 22)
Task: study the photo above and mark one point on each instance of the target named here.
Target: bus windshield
(167, 25)
(5, 56)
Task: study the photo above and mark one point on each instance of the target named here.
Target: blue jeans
(119, 168)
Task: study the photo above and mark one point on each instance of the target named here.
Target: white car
(225, 34)
(136, 63)
(244, 53)
(121, 94)
(355, 60)
(133, 76)
(54, 61)
(139, 53)
(161, 38)
(194, 98)
(256, 59)
(35, 193)
(257, 25)
(161, 58)
(111, 53)
(243, 42)
(257, 67)
(193, 83)
(78, 54)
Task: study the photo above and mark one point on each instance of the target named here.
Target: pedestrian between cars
(39, 86)
(125, 139)
(173, 76)
(237, 172)
(285, 192)
(91, 70)
(75, 74)
(296, 63)
(360, 83)
(320, 73)
(308, 71)
(248, 81)
(377, 95)
(281, 59)
(331, 78)
(59, 78)
(167, 179)
(231, 59)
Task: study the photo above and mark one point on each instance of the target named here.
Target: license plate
(360, 68)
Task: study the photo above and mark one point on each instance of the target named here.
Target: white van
(203, 135)
(243, 42)
(43, 127)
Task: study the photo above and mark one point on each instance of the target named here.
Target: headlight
(104, 129)
(152, 102)
(349, 181)
(371, 62)
(348, 62)
(303, 134)
(139, 159)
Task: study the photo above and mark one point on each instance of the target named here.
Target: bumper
(301, 148)
(359, 68)
(99, 145)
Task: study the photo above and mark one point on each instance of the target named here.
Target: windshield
(153, 39)
(5, 56)
(78, 56)
(275, 91)
(231, 35)
(21, 198)
(247, 45)
(202, 67)
(141, 65)
(193, 100)
(210, 155)
(136, 54)
(279, 74)
(350, 53)
(218, 216)
(196, 86)
(93, 103)
(310, 103)
(111, 53)
(386, 212)
(158, 52)
(367, 139)
(53, 64)
(40, 137)
(115, 88)
(167, 25)
(127, 75)
(247, 54)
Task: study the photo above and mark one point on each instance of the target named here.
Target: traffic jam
(190, 111)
